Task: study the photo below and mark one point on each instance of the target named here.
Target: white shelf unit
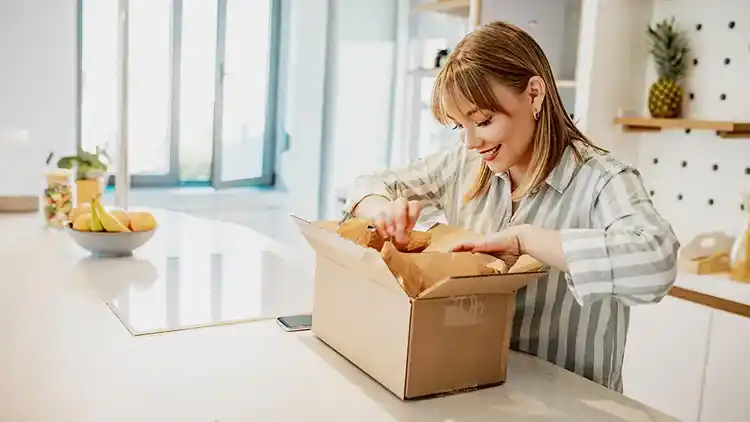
(439, 24)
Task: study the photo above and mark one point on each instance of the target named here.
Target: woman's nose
(472, 142)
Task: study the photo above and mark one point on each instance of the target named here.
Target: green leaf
(67, 162)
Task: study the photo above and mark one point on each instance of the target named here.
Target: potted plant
(90, 173)
(669, 48)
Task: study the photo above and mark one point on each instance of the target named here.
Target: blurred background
(247, 110)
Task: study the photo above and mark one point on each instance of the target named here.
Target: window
(201, 87)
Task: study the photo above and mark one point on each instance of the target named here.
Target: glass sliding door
(245, 83)
(197, 80)
(154, 29)
(201, 88)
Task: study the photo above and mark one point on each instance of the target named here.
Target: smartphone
(295, 322)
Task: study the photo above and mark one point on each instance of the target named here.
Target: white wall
(360, 76)
(304, 85)
(549, 18)
(338, 95)
(37, 87)
(420, 36)
(696, 198)
(612, 37)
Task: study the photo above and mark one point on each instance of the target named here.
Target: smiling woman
(531, 182)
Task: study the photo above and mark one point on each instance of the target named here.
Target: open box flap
(347, 254)
(525, 270)
(420, 271)
(480, 285)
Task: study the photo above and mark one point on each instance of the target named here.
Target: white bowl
(110, 244)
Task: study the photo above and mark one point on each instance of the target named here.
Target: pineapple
(669, 48)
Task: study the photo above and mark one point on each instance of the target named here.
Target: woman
(529, 180)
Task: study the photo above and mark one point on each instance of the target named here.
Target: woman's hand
(396, 220)
(505, 245)
(509, 244)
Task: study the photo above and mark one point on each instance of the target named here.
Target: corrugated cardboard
(449, 333)
(707, 253)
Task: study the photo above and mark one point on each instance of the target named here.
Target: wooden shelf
(19, 204)
(451, 7)
(724, 129)
(710, 301)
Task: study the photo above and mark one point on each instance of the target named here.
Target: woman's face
(502, 139)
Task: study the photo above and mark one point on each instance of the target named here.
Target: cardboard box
(452, 336)
(707, 253)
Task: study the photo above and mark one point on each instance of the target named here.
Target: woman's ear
(536, 90)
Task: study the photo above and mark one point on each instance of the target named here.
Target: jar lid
(59, 174)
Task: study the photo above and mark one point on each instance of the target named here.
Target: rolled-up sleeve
(630, 252)
(424, 180)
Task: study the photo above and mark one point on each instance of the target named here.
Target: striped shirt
(620, 252)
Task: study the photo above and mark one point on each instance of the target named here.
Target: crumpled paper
(428, 258)
(359, 231)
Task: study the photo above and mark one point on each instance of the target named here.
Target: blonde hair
(503, 53)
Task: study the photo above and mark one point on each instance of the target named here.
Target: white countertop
(716, 285)
(66, 355)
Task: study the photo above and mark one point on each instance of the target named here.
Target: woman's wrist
(541, 244)
(525, 235)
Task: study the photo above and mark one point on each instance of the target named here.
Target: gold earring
(536, 114)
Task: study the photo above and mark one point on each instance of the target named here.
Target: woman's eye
(484, 123)
(457, 126)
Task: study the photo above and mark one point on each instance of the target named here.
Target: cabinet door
(665, 356)
(725, 392)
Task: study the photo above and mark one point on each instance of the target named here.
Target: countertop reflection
(193, 273)
(171, 293)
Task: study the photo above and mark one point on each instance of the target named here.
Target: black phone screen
(296, 322)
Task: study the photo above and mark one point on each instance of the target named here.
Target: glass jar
(740, 258)
(57, 200)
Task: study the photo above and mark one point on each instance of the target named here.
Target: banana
(108, 221)
(83, 223)
(96, 223)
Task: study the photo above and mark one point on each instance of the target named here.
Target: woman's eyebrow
(468, 115)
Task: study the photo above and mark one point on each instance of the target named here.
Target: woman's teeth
(490, 154)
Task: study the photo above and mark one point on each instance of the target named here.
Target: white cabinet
(689, 361)
(726, 392)
(665, 356)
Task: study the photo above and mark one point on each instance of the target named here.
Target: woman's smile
(490, 154)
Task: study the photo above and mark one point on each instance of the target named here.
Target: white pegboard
(700, 181)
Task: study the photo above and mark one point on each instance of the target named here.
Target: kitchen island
(183, 331)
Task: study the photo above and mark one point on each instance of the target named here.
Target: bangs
(460, 83)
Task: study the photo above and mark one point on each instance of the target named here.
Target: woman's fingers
(397, 219)
(414, 209)
(494, 246)
(381, 224)
(401, 220)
